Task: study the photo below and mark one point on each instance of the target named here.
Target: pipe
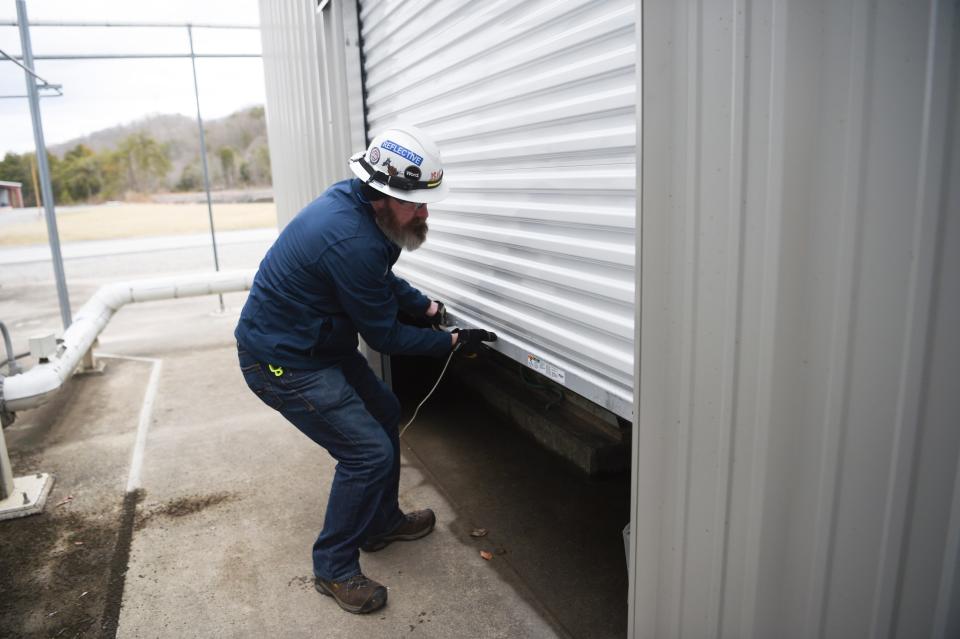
(11, 362)
(34, 387)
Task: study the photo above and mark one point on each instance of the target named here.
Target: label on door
(546, 368)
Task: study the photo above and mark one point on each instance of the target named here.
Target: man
(326, 278)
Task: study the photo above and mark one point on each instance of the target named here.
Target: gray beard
(408, 237)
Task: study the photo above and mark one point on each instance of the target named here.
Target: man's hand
(471, 338)
(436, 313)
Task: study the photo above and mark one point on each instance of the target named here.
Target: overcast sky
(101, 93)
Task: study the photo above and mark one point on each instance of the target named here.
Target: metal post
(6, 472)
(203, 155)
(45, 187)
(12, 367)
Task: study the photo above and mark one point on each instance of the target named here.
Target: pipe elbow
(31, 389)
(35, 386)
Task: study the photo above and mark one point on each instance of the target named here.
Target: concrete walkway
(253, 491)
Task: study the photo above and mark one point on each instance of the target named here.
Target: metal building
(791, 361)
(11, 194)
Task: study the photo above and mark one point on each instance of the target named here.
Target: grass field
(115, 221)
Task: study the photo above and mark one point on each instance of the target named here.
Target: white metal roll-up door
(534, 107)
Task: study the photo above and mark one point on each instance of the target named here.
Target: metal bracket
(28, 497)
(90, 365)
(19, 496)
(6, 417)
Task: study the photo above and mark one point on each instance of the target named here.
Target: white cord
(449, 357)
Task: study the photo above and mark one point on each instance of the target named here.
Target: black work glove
(440, 317)
(470, 339)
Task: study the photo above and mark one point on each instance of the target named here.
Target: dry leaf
(486, 555)
(478, 532)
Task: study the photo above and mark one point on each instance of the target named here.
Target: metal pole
(203, 156)
(6, 471)
(12, 367)
(47, 191)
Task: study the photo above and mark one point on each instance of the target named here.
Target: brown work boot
(415, 525)
(357, 594)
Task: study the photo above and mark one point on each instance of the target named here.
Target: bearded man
(327, 278)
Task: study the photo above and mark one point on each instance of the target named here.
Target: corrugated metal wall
(314, 97)
(533, 105)
(796, 468)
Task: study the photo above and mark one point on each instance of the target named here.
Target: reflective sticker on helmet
(403, 152)
(374, 155)
(411, 173)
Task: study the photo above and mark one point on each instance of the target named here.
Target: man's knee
(377, 458)
(384, 406)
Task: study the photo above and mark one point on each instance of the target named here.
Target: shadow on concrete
(554, 533)
(62, 571)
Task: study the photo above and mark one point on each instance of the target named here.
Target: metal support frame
(21, 496)
(138, 56)
(203, 157)
(11, 363)
(107, 23)
(6, 472)
(90, 365)
(44, 85)
(45, 186)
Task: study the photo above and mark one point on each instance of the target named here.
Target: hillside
(158, 154)
(244, 132)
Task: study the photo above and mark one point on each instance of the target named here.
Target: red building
(11, 194)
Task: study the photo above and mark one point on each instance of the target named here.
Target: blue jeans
(354, 416)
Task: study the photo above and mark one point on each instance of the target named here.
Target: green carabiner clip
(276, 370)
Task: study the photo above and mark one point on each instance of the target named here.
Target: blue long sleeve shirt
(327, 278)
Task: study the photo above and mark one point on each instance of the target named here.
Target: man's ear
(378, 205)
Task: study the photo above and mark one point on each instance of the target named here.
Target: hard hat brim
(426, 196)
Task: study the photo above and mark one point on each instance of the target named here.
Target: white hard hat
(402, 162)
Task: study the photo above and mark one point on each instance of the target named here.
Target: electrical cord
(444, 325)
(424, 401)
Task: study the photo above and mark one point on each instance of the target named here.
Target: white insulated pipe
(37, 385)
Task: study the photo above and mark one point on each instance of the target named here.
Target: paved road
(74, 250)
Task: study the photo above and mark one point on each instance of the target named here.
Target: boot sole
(380, 544)
(371, 605)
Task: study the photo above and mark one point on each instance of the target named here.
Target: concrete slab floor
(217, 544)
